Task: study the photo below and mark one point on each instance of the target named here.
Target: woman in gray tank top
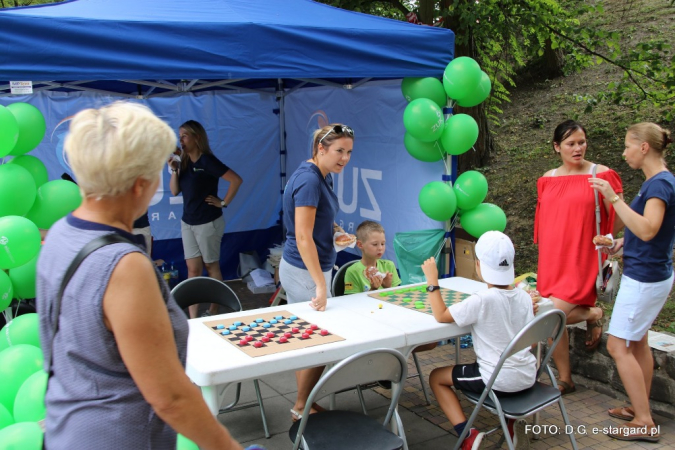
(117, 377)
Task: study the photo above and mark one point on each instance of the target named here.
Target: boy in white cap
(495, 315)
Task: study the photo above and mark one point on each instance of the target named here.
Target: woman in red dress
(564, 227)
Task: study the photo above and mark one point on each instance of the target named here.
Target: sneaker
(473, 440)
(517, 433)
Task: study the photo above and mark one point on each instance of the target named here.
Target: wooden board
(417, 298)
(236, 327)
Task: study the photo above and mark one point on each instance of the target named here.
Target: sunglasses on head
(339, 129)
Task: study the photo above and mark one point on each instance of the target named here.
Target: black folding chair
(209, 290)
(549, 325)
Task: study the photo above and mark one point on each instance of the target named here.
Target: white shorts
(298, 283)
(636, 307)
(203, 240)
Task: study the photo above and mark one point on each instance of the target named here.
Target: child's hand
(386, 282)
(430, 270)
(371, 274)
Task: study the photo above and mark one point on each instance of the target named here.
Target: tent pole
(282, 146)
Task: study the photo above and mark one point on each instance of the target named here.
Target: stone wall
(597, 370)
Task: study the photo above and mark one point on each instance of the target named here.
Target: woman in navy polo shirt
(310, 207)
(202, 225)
(647, 273)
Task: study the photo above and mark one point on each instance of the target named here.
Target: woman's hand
(337, 228)
(618, 243)
(214, 201)
(319, 302)
(174, 164)
(603, 187)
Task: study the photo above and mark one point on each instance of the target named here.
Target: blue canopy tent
(168, 52)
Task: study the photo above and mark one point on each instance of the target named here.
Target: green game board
(416, 298)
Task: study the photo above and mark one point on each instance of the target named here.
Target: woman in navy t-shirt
(202, 226)
(647, 273)
(310, 207)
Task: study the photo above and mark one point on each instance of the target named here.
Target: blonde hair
(366, 227)
(327, 136)
(110, 147)
(652, 134)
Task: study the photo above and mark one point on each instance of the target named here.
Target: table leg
(536, 415)
(214, 396)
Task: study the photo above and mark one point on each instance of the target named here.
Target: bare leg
(195, 267)
(634, 364)
(213, 269)
(306, 380)
(440, 381)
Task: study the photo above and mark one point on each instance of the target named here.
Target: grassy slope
(537, 106)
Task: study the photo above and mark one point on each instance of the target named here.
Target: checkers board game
(416, 298)
(268, 333)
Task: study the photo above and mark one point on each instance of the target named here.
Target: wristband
(614, 199)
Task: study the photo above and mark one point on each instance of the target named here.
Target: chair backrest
(548, 325)
(205, 290)
(338, 286)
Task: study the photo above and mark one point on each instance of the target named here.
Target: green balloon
(19, 241)
(34, 166)
(431, 88)
(29, 404)
(55, 199)
(17, 190)
(437, 200)
(23, 279)
(484, 217)
(459, 134)
(21, 436)
(471, 187)
(31, 127)
(9, 131)
(4, 342)
(183, 443)
(23, 329)
(6, 418)
(17, 363)
(461, 77)
(479, 94)
(6, 292)
(423, 119)
(423, 151)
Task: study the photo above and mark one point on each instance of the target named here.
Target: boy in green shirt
(372, 272)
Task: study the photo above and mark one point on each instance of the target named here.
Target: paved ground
(426, 426)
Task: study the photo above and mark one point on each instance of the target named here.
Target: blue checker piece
(253, 325)
(220, 327)
(288, 321)
(225, 333)
(274, 321)
(233, 327)
(266, 325)
(279, 317)
(238, 324)
(259, 320)
(246, 329)
(294, 317)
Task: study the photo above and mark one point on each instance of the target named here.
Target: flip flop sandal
(634, 432)
(589, 333)
(623, 413)
(296, 415)
(566, 387)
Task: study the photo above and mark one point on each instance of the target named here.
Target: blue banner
(243, 131)
(382, 181)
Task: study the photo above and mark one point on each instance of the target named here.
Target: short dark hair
(366, 227)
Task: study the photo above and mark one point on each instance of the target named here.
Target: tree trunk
(553, 61)
(479, 156)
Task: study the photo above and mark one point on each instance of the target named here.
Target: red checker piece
(283, 339)
(309, 331)
(313, 326)
(270, 335)
(295, 330)
(288, 334)
(324, 333)
(243, 342)
(305, 336)
(265, 339)
(248, 338)
(257, 344)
